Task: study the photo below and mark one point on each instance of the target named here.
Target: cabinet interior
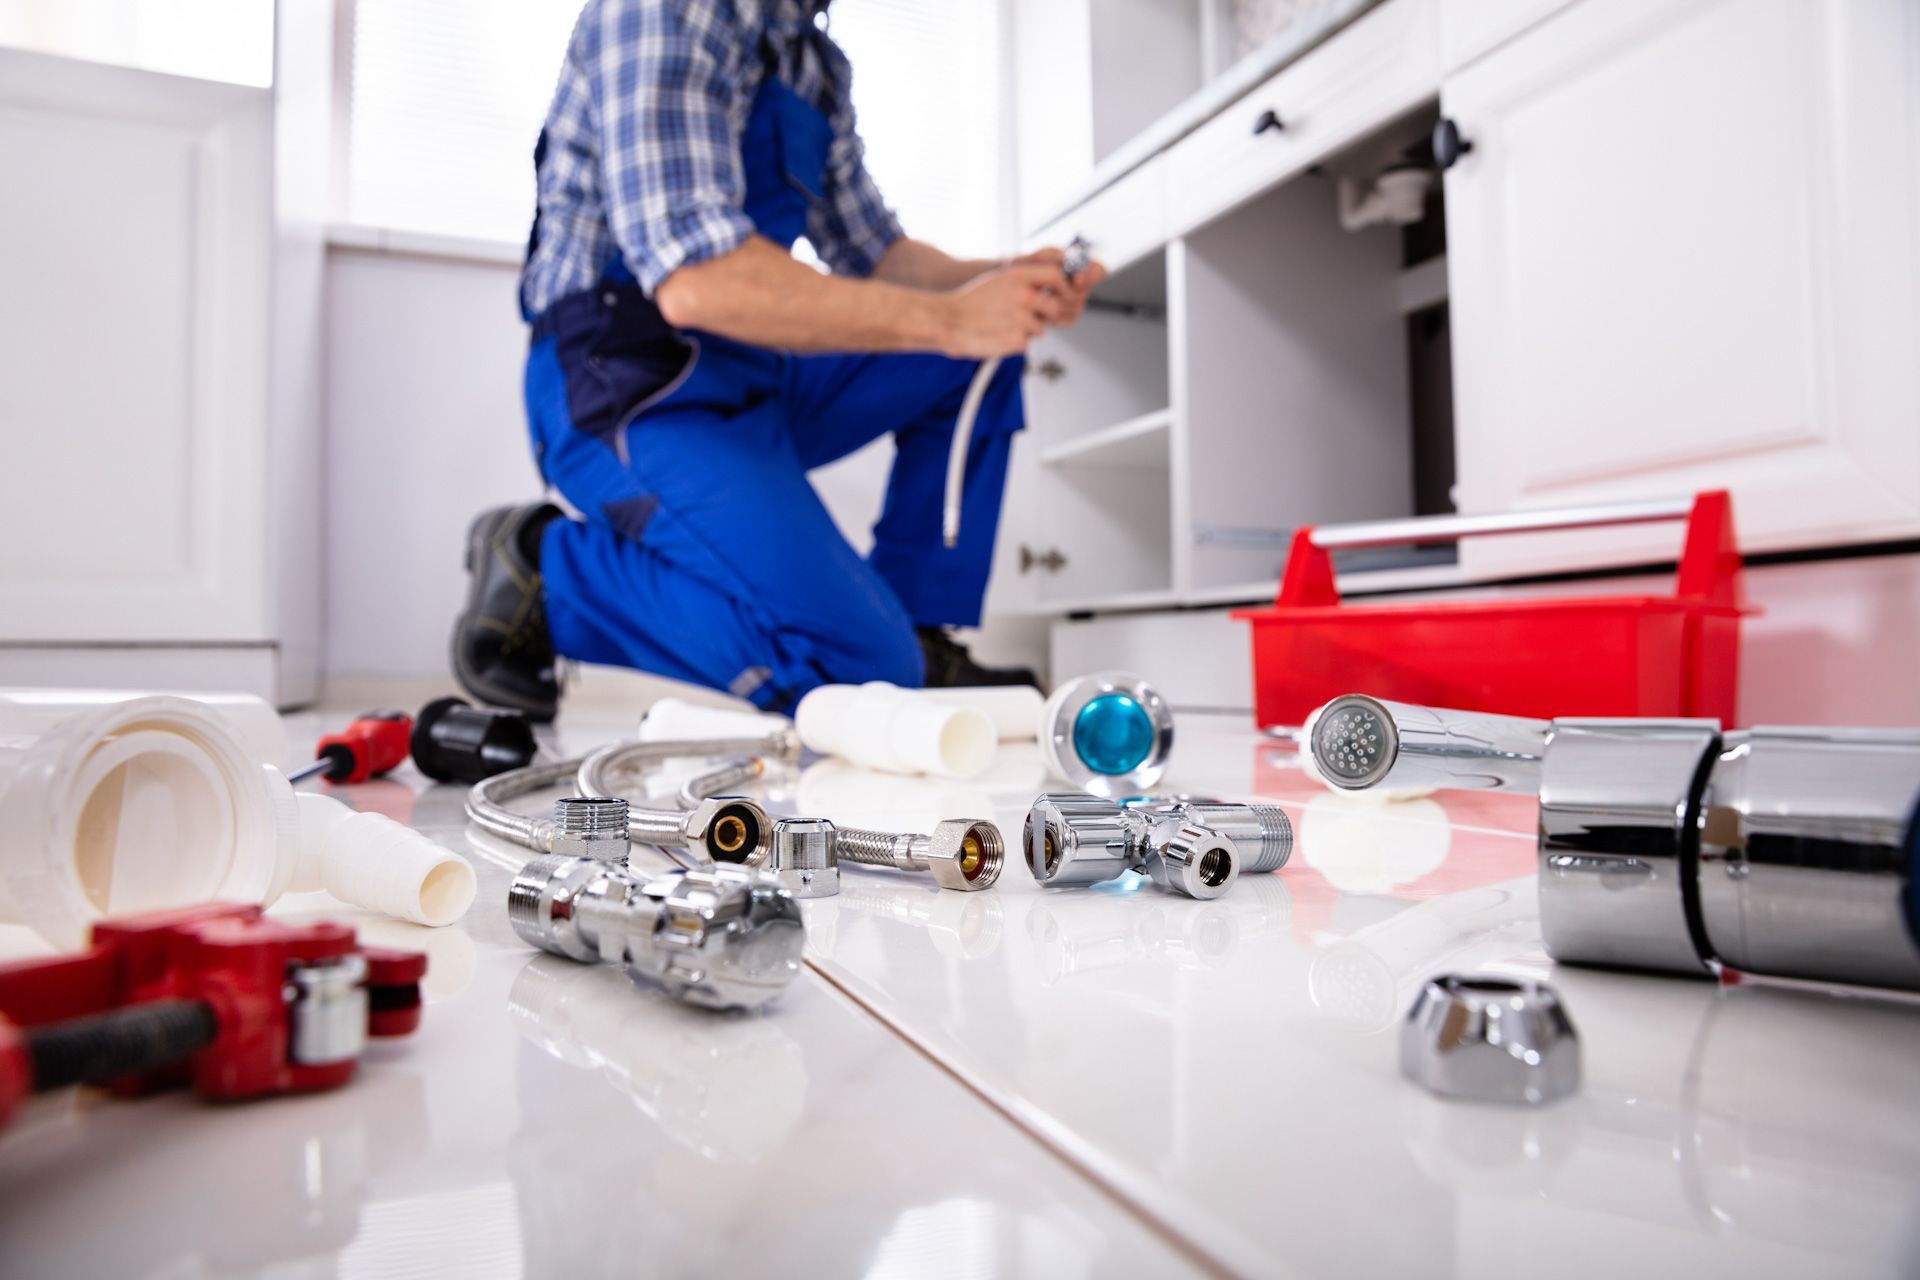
(1314, 371)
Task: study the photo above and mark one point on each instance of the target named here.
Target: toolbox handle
(1709, 561)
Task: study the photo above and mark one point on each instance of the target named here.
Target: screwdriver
(373, 744)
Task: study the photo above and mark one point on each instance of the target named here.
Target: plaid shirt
(643, 142)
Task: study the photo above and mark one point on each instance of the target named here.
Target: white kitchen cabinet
(1091, 74)
(159, 385)
(1685, 253)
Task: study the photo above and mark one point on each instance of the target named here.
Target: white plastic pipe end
(371, 861)
(881, 726)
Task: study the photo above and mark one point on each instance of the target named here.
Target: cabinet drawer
(1124, 223)
(1381, 66)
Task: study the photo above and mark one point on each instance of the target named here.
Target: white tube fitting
(1014, 709)
(141, 804)
(131, 805)
(897, 730)
(675, 719)
(369, 860)
(28, 713)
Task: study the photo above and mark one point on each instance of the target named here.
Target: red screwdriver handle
(372, 745)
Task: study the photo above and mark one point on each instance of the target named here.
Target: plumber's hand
(999, 313)
(1072, 293)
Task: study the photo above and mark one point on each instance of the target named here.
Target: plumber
(687, 372)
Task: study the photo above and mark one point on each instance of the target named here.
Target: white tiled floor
(1090, 1082)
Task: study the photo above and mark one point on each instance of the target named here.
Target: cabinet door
(1683, 255)
(134, 243)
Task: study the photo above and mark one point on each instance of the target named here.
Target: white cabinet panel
(1683, 255)
(1469, 28)
(134, 232)
(1383, 65)
(1124, 223)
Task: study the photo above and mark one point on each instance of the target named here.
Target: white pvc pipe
(897, 730)
(139, 804)
(676, 719)
(1014, 709)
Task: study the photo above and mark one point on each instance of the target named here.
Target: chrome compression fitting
(716, 829)
(962, 853)
(1262, 834)
(591, 827)
(718, 937)
(712, 827)
(1673, 846)
(802, 857)
(1195, 848)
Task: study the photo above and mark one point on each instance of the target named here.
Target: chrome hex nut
(965, 854)
(590, 827)
(1190, 859)
(1485, 1039)
(801, 857)
(729, 829)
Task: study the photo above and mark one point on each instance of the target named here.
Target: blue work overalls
(705, 554)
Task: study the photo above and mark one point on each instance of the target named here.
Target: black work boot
(950, 666)
(502, 653)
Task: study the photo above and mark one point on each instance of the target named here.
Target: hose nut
(965, 854)
(1192, 860)
(590, 827)
(729, 829)
(1482, 1039)
(802, 859)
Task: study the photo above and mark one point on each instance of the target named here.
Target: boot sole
(479, 539)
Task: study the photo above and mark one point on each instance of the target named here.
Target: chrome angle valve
(720, 937)
(1198, 848)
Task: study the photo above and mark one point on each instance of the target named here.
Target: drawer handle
(1448, 145)
(1052, 560)
(1269, 120)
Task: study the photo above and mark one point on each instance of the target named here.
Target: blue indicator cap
(1113, 734)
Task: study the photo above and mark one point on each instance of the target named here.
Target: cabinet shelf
(1136, 443)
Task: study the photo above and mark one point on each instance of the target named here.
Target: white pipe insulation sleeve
(1014, 709)
(126, 805)
(675, 719)
(369, 860)
(881, 726)
(251, 721)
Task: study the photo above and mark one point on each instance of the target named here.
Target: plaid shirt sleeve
(851, 227)
(663, 79)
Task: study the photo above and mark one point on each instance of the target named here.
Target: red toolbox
(1621, 655)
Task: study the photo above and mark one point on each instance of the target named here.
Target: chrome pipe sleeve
(1807, 854)
(1673, 846)
(1787, 852)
